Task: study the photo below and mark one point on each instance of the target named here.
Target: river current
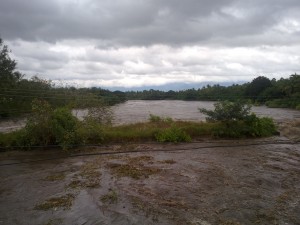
(139, 111)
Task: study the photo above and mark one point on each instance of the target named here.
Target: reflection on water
(139, 110)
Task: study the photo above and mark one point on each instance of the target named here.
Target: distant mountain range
(173, 86)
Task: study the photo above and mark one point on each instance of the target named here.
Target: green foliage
(178, 131)
(48, 126)
(172, 134)
(227, 111)
(91, 132)
(158, 119)
(257, 86)
(251, 127)
(12, 139)
(233, 119)
(8, 74)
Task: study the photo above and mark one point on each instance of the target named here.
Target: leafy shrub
(12, 139)
(283, 103)
(234, 120)
(50, 127)
(91, 133)
(172, 134)
(227, 111)
(64, 127)
(250, 127)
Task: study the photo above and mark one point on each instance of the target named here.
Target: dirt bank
(209, 182)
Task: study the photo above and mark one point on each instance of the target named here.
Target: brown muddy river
(138, 111)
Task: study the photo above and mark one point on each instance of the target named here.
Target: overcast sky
(133, 43)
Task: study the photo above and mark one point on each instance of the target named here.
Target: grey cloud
(137, 22)
(136, 42)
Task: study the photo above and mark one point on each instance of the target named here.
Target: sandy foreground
(205, 182)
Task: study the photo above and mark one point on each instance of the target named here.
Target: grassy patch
(55, 177)
(146, 207)
(172, 134)
(133, 171)
(88, 177)
(150, 131)
(110, 198)
(64, 202)
(140, 159)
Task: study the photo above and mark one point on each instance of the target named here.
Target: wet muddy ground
(206, 182)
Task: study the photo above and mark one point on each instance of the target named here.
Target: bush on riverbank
(61, 128)
(48, 126)
(234, 120)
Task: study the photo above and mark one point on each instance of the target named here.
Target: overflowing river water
(213, 181)
(139, 110)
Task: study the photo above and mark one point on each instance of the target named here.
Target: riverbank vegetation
(57, 127)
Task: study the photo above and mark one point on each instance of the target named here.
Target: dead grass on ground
(134, 167)
(64, 202)
(88, 177)
(55, 177)
(110, 198)
(133, 171)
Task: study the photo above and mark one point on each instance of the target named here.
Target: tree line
(283, 93)
(18, 93)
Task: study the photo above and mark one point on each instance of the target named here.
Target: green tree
(8, 74)
(9, 79)
(256, 87)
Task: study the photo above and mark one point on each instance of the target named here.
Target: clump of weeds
(133, 171)
(55, 177)
(88, 177)
(134, 167)
(64, 202)
(110, 198)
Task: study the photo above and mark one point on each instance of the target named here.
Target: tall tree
(257, 86)
(8, 74)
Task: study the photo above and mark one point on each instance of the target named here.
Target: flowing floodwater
(134, 111)
(247, 181)
(139, 111)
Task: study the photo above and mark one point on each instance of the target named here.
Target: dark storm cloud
(141, 42)
(145, 22)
